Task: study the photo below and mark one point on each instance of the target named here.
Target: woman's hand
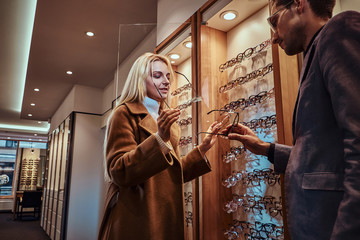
(248, 138)
(209, 139)
(166, 118)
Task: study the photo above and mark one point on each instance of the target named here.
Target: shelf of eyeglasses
(257, 230)
(260, 124)
(188, 103)
(184, 122)
(188, 198)
(245, 55)
(181, 89)
(262, 72)
(243, 103)
(239, 152)
(184, 141)
(255, 204)
(188, 218)
(254, 178)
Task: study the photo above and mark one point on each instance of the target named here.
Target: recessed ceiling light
(32, 104)
(30, 115)
(90, 34)
(174, 56)
(39, 122)
(36, 89)
(35, 134)
(188, 44)
(68, 72)
(229, 15)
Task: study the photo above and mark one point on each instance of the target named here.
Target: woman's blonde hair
(135, 88)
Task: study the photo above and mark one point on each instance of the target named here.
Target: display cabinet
(179, 48)
(53, 219)
(240, 82)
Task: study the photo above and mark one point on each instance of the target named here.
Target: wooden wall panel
(212, 52)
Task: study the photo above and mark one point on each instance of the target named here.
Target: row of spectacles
(266, 122)
(245, 55)
(247, 78)
(185, 141)
(181, 89)
(253, 178)
(243, 103)
(185, 121)
(188, 218)
(259, 231)
(188, 103)
(188, 198)
(254, 204)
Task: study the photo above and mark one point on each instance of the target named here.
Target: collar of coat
(149, 124)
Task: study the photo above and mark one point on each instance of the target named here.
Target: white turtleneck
(152, 106)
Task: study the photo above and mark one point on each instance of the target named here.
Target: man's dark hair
(321, 8)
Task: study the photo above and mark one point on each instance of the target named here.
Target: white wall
(81, 99)
(345, 5)
(243, 35)
(87, 188)
(172, 13)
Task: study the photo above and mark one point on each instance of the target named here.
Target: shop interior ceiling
(59, 44)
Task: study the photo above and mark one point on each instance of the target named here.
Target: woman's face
(159, 76)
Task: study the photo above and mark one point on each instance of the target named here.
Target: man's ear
(299, 4)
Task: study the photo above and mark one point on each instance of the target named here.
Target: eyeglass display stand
(219, 46)
(29, 174)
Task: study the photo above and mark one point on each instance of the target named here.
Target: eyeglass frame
(272, 26)
(235, 122)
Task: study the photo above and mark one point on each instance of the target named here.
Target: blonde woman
(143, 165)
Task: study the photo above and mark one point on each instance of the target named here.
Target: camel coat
(145, 199)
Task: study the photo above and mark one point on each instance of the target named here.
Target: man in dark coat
(322, 168)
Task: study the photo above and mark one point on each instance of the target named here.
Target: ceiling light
(172, 62)
(36, 89)
(8, 137)
(90, 34)
(35, 134)
(30, 115)
(30, 139)
(174, 56)
(229, 15)
(39, 122)
(32, 104)
(68, 72)
(188, 44)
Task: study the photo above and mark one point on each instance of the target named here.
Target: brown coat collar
(149, 124)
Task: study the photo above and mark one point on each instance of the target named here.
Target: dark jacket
(322, 169)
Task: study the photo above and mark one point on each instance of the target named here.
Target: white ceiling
(58, 43)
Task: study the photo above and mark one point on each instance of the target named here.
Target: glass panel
(184, 97)
(7, 166)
